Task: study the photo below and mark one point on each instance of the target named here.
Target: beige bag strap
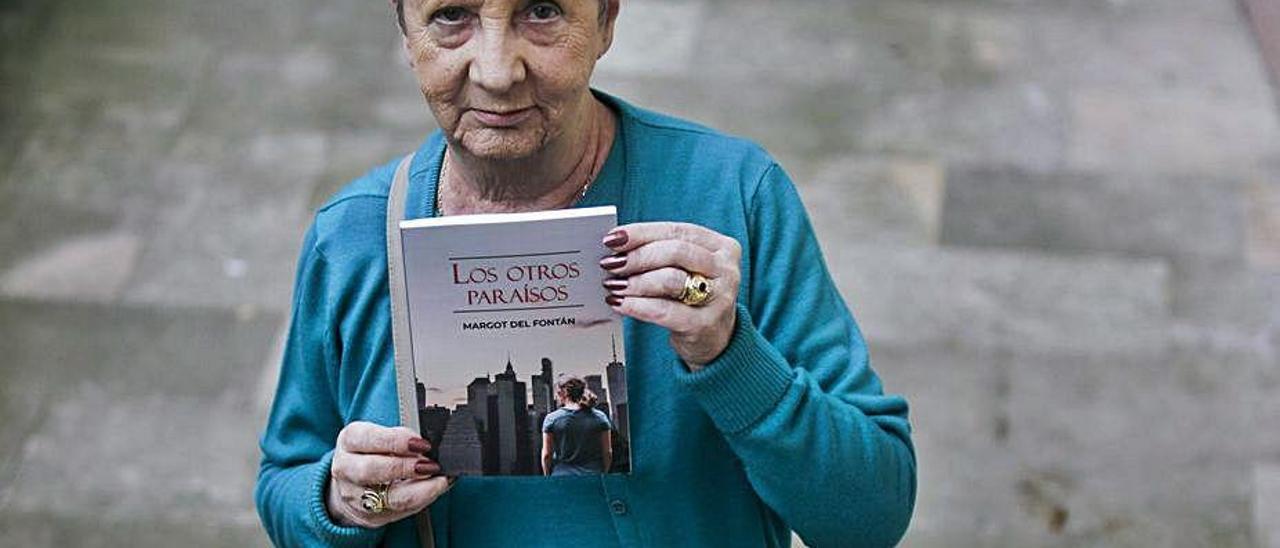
(400, 323)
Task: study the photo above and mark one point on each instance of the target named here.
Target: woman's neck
(553, 179)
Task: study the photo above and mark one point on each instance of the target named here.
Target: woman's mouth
(507, 118)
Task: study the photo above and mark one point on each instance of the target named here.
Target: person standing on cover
(576, 438)
(753, 407)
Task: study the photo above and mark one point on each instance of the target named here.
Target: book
(513, 345)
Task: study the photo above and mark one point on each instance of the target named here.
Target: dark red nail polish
(616, 238)
(610, 263)
(419, 445)
(615, 284)
(425, 468)
(613, 300)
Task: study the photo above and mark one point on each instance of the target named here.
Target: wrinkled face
(505, 78)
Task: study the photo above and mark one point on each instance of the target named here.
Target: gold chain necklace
(444, 173)
(436, 210)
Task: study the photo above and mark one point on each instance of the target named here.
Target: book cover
(513, 346)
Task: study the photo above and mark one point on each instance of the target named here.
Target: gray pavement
(1058, 222)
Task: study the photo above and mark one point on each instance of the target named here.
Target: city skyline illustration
(576, 350)
(496, 429)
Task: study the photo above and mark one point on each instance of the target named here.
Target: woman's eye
(544, 11)
(450, 16)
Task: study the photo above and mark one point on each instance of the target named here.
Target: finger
(676, 317)
(344, 505)
(367, 437)
(659, 254)
(414, 495)
(664, 282)
(369, 469)
(627, 237)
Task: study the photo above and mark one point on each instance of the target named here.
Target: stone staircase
(130, 425)
(1058, 223)
(1091, 359)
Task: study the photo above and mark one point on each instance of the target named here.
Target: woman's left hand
(649, 271)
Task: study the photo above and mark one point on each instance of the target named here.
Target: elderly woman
(754, 410)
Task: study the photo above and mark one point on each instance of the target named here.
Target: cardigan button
(618, 507)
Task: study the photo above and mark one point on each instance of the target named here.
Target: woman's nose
(498, 64)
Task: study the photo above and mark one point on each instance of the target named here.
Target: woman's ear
(606, 26)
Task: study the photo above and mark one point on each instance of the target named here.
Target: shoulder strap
(400, 323)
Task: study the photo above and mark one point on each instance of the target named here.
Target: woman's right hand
(367, 455)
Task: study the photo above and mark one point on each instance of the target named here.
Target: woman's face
(506, 77)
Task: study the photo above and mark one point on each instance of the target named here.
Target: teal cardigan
(788, 429)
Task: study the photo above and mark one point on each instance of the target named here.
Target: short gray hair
(604, 6)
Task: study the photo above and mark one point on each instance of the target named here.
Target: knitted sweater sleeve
(795, 396)
(297, 446)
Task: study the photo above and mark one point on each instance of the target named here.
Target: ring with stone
(697, 290)
(374, 499)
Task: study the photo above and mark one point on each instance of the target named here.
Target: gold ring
(697, 290)
(374, 499)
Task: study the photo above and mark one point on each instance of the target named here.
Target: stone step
(1266, 504)
(879, 43)
(1190, 219)
(1154, 88)
(1265, 17)
(1263, 248)
(216, 222)
(874, 199)
(354, 153)
(1210, 228)
(1209, 11)
(130, 416)
(904, 295)
(1246, 299)
(1019, 123)
(1138, 447)
(1146, 88)
(1202, 47)
(907, 78)
(194, 256)
(888, 200)
(90, 530)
